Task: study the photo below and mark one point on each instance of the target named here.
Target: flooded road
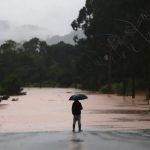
(48, 109)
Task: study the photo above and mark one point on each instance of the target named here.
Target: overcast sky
(24, 19)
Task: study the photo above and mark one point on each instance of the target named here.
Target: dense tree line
(114, 56)
(34, 63)
(116, 52)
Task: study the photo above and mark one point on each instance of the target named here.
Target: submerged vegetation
(114, 56)
(34, 63)
(117, 48)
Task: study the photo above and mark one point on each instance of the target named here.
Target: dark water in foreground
(49, 109)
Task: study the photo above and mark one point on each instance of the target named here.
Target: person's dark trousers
(75, 119)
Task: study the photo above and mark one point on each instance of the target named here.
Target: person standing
(76, 111)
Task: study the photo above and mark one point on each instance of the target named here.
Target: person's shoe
(80, 128)
(73, 126)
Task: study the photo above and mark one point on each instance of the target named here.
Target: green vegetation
(117, 47)
(11, 86)
(34, 63)
(114, 57)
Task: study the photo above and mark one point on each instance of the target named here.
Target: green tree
(11, 86)
(118, 30)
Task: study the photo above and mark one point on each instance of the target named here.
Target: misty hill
(68, 38)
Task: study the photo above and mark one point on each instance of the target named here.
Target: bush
(115, 88)
(106, 89)
(11, 86)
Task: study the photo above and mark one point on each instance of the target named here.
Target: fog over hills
(25, 32)
(68, 38)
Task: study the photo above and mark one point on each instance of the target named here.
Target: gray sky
(23, 19)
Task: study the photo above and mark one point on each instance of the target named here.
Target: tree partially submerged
(11, 86)
(35, 63)
(119, 31)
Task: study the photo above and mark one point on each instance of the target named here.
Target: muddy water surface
(45, 109)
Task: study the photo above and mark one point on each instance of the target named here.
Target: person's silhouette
(76, 111)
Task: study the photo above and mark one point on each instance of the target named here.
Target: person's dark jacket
(76, 108)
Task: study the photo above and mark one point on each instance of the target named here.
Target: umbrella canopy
(78, 97)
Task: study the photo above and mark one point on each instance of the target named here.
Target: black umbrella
(78, 97)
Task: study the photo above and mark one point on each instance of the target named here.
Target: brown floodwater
(44, 109)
